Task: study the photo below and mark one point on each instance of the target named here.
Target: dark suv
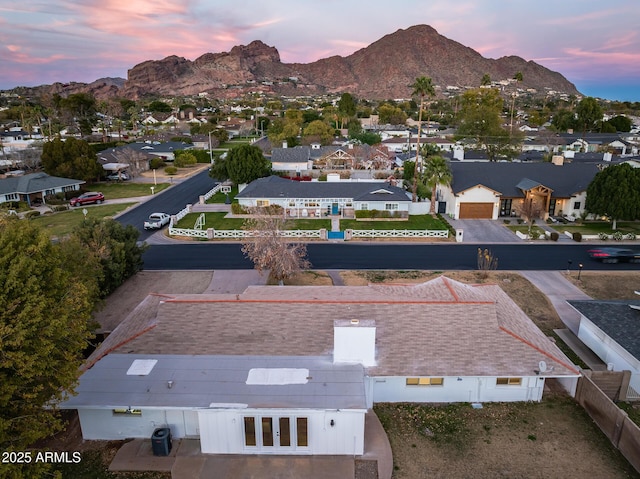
(87, 198)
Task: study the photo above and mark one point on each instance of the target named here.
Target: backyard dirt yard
(552, 439)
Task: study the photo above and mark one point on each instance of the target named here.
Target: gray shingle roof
(565, 180)
(299, 154)
(616, 319)
(438, 328)
(34, 183)
(276, 187)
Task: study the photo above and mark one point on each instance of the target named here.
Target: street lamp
(569, 266)
(579, 270)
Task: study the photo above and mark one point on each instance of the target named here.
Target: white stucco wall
(102, 424)
(477, 194)
(455, 389)
(222, 431)
(609, 351)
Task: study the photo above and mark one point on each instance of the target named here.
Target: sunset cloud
(63, 40)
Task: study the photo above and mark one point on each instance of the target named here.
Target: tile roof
(276, 187)
(616, 319)
(438, 328)
(565, 180)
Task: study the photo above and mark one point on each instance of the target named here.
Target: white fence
(188, 232)
(398, 233)
(235, 234)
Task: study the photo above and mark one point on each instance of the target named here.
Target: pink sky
(595, 44)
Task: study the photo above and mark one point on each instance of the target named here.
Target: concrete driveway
(484, 231)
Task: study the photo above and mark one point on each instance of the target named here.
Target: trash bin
(161, 441)
(459, 235)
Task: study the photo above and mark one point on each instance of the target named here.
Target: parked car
(615, 255)
(118, 177)
(157, 221)
(87, 198)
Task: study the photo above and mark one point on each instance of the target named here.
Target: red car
(87, 198)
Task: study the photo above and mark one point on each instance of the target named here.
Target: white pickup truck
(156, 221)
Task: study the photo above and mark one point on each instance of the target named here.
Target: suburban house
(610, 330)
(164, 150)
(497, 189)
(35, 187)
(294, 370)
(303, 158)
(322, 198)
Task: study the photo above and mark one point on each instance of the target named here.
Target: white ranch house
(492, 190)
(294, 370)
(324, 198)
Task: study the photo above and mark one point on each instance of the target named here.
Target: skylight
(141, 367)
(277, 376)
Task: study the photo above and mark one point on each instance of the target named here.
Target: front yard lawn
(116, 190)
(595, 227)
(62, 223)
(524, 229)
(219, 222)
(220, 197)
(415, 222)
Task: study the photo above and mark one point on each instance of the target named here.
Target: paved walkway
(185, 461)
(558, 289)
(235, 281)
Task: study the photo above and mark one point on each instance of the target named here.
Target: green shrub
(506, 222)
(171, 170)
(554, 236)
(603, 236)
(156, 163)
(238, 209)
(535, 234)
(630, 236)
(31, 214)
(577, 236)
(617, 236)
(520, 221)
(59, 207)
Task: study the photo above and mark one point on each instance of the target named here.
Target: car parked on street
(87, 198)
(615, 255)
(157, 221)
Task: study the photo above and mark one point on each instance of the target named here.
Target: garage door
(476, 211)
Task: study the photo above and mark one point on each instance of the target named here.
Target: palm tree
(421, 87)
(436, 172)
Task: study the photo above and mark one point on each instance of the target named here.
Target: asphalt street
(449, 256)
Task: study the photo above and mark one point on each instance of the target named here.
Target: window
(364, 206)
(301, 425)
(391, 206)
(262, 203)
(127, 412)
(11, 197)
(249, 431)
(509, 381)
(576, 205)
(425, 381)
(267, 431)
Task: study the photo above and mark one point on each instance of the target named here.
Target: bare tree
(486, 262)
(529, 210)
(268, 250)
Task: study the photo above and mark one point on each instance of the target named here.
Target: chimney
(284, 144)
(354, 341)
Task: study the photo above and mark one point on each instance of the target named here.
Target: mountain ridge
(384, 69)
